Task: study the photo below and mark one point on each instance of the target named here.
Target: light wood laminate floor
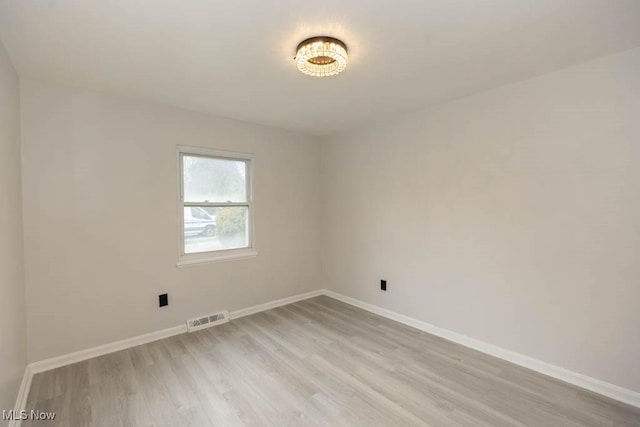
(315, 362)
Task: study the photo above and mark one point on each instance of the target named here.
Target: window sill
(209, 258)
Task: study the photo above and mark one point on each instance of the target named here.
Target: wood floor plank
(318, 362)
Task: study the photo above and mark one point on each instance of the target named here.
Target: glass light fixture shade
(321, 56)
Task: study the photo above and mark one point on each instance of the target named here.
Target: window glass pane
(213, 229)
(213, 180)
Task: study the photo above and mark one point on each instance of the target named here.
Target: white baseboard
(90, 353)
(597, 386)
(273, 304)
(23, 394)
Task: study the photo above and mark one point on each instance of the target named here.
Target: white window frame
(185, 260)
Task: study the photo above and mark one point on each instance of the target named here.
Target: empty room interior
(336, 213)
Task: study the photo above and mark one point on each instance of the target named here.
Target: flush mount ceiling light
(321, 56)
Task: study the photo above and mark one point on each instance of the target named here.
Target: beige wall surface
(512, 217)
(101, 218)
(13, 333)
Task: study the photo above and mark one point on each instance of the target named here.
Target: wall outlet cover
(163, 300)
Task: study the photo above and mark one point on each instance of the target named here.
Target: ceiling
(234, 58)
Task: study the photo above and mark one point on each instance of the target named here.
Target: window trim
(187, 260)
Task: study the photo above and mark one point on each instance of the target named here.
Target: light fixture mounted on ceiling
(321, 56)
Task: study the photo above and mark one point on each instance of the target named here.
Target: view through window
(216, 203)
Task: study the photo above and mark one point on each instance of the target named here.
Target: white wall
(100, 216)
(512, 217)
(13, 332)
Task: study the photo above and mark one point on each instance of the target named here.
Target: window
(216, 210)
